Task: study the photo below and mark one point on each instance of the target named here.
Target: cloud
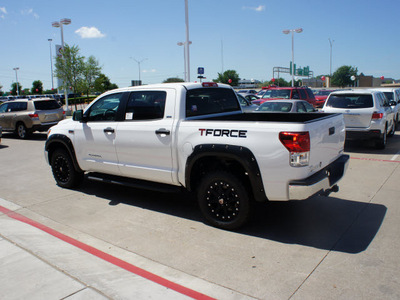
(27, 12)
(258, 8)
(3, 10)
(89, 33)
(150, 71)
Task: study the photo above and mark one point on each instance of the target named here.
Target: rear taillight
(298, 145)
(209, 84)
(34, 116)
(377, 116)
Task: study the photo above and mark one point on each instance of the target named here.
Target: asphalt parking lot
(340, 247)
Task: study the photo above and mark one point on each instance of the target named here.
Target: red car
(321, 96)
(273, 93)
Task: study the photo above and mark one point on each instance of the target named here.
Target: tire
(63, 170)
(381, 143)
(223, 200)
(21, 131)
(391, 133)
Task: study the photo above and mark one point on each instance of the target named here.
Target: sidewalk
(35, 264)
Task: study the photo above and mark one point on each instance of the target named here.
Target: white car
(393, 95)
(367, 114)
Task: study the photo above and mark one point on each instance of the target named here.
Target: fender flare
(240, 154)
(54, 141)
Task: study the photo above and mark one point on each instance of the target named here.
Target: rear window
(206, 101)
(275, 106)
(46, 105)
(350, 101)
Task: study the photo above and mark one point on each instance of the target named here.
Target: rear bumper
(363, 135)
(320, 182)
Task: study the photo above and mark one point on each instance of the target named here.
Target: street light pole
(51, 65)
(16, 77)
(287, 31)
(60, 25)
(184, 58)
(330, 69)
(139, 62)
(187, 43)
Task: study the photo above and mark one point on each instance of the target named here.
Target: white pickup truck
(195, 136)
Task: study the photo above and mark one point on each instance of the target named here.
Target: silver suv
(25, 116)
(367, 114)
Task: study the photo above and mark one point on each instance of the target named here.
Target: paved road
(339, 247)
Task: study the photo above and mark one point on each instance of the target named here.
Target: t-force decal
(224, 132)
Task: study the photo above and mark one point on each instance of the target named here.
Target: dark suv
(274, 93)
(25, 116)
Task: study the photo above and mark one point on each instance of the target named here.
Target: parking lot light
(287, 31)
(60, 24)
(16, 77)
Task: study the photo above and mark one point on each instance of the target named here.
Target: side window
(105, 109)
(303, 94)
(4, 108)
(300, 108)
(295, 94)
(21, 106)
(146, 105)
(309, 107)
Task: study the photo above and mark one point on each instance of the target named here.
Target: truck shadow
(326, 223)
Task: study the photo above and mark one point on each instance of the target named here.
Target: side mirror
(78, 116)
(392, 103)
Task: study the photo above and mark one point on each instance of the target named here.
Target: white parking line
(396, 156)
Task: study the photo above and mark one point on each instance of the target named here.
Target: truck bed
(272, 117)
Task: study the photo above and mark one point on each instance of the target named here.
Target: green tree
(37, 87)
(228, 75)
(14, 88)
(278, 82)
(103, 83)
(69, 68)
(173, 79)
(342, 76)
(91, 71)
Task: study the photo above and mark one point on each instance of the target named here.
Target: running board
(134, 183)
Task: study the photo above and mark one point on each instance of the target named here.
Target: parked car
(1, 133)
(247, 92)
(272, 93)
(249, 97)
(288, 106)
(246, 105)
(393, 95)
(26, 116)
(321, 96)
(367, 114)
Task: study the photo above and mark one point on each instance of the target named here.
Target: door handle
(109, 130)
(163, 131)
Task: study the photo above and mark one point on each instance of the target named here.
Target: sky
(241, 35)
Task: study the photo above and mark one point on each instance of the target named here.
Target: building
(248, 84)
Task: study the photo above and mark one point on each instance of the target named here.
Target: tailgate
(48, 116)
(327, 141)
(358, 118)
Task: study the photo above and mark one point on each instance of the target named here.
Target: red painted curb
(107, 257)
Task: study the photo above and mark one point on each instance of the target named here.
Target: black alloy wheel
(223, 200)
(63, 170)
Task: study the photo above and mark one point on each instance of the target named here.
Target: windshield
(350, 101)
